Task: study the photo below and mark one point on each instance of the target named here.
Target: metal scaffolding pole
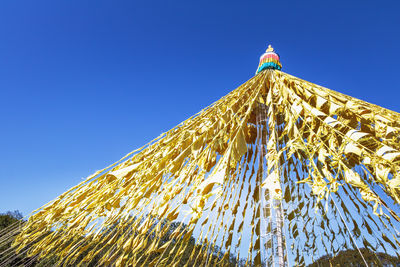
(271, 215)
(279, 233)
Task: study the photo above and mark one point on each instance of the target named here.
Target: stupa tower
(279, 172)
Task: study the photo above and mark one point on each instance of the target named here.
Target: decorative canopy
(269, 60)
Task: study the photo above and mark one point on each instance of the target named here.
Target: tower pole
(261, 118)
(277, 201)
(272, 214)
(279, 233)
(271, 211)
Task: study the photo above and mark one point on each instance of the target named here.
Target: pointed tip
(269, 49)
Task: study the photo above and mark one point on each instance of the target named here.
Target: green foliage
(352, 257)
(9, 218)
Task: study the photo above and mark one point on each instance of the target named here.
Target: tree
(352, 257)
(9, 218)
(7, 221)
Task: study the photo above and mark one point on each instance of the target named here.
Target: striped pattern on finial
(269, 60)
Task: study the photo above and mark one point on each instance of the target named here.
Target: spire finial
(269, 60)
(269, 49)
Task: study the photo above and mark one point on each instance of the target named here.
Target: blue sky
(84, 82)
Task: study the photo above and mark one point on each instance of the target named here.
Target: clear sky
(84, 82)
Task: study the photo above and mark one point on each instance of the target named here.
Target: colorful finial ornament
(269, 60)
